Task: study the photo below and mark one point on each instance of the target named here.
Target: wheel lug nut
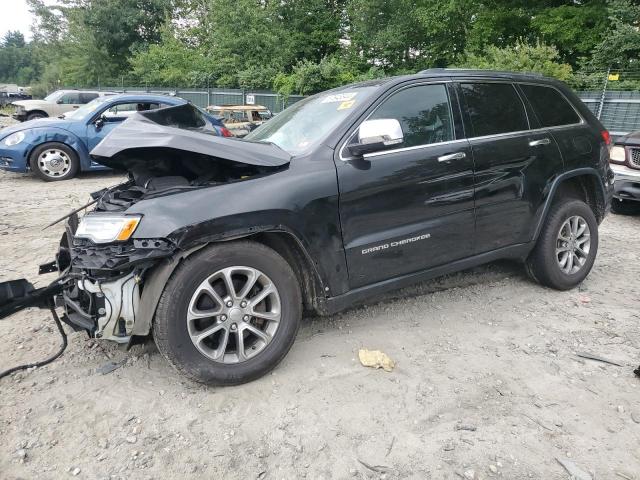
(243, 304)
(234, 327)
(229, 304)
(223, 318)
(246, 318)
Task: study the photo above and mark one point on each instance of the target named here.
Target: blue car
(58, 148)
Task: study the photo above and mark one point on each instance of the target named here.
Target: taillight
(226, 132)
(606, 136)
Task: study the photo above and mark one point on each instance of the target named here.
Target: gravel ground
(487, 382)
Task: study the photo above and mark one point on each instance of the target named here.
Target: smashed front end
(110, 277)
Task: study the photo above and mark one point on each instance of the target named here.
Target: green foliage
(522, 57)
(310, 77)
(574, 29)
(621, 48)
(303, 46)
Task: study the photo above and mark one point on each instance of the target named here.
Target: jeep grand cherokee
(217, 246)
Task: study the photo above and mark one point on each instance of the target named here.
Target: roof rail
(478, 70)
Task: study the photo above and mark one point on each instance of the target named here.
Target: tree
(522, 57)
(621, 48)
(574, 29)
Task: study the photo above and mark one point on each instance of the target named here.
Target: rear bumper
(626, 183)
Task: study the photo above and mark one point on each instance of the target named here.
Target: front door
(410, 208)
(112, 117)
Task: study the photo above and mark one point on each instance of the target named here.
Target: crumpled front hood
(39, 123)
(165, 129)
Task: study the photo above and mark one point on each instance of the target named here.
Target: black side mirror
(99, 123)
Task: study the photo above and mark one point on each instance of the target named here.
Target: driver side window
(71, 98)
(125, 110)
(423, 112)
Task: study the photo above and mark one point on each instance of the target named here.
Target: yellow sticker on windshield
(346, 105)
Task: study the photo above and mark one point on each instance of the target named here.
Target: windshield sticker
(346, 105)
(339, 97)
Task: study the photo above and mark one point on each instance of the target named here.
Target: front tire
(229, 314)
(567, 246)
(36, 115)
(54, 161)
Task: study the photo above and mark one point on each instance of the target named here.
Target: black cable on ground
(48, 360)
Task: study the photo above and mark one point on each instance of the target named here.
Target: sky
(15, 16)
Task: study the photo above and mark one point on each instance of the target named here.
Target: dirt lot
(487, 382)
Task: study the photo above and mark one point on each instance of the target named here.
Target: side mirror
(377, 135)
(60, 102)
(100, 121)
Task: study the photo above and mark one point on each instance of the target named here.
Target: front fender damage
(114, 289)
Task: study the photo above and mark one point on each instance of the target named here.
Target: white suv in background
(54, 104)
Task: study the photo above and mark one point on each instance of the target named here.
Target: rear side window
(494, 108)
(423, 112)
(550, 106)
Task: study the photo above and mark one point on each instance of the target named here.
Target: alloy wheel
(234, 314)
(573, 244)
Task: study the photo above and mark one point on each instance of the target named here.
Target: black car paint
(489, 206)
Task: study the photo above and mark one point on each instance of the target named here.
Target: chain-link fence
(613, 96)
(204, 97)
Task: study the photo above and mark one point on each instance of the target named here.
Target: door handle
(542, 141)
(452, 156)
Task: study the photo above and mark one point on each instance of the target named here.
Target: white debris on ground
(487, 384)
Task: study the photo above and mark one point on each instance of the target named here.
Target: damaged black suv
(217, 246)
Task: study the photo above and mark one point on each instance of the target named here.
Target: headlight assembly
(14, 139)
(617, 154)
(107, 228)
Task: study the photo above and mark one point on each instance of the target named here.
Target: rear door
(513, 161)
(577, 140)
(410, 208)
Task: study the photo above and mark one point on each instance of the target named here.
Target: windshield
(53, 97)
(85, 109)
(307, 122)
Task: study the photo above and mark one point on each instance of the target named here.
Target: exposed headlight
(107, 228)
(617, 154)
(14, 139)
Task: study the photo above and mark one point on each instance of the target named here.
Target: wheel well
(586, 188)
(290, 249)
(30, 152)
(37, 111)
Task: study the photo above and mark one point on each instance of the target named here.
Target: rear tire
(188, 310)
(562, 257)
(54, 161)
